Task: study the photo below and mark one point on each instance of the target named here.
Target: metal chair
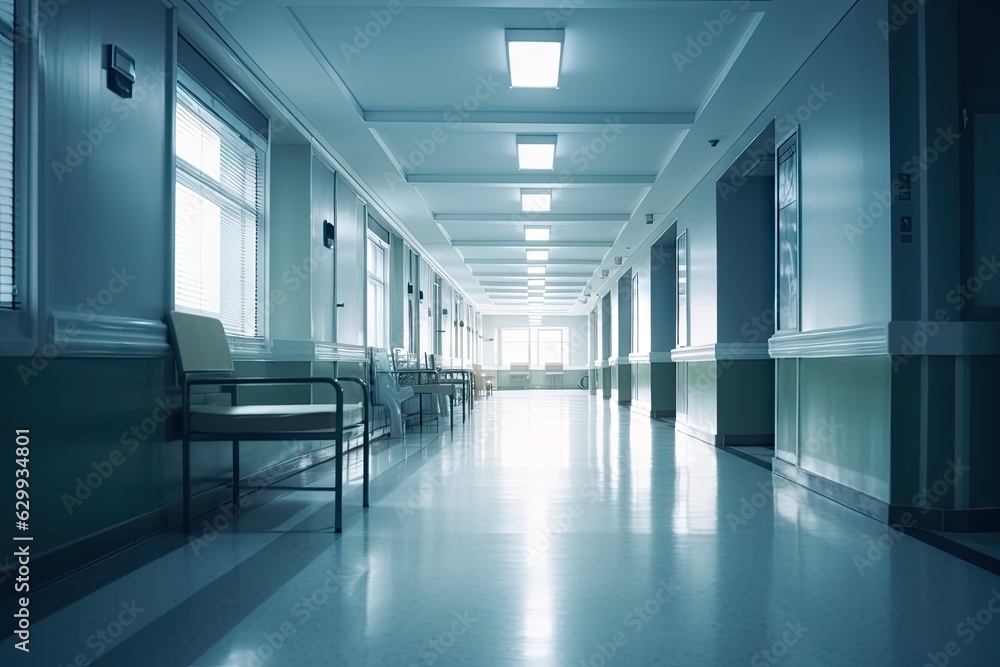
(203, 359)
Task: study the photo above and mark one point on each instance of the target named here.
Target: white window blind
(8, 285)
(217, 226)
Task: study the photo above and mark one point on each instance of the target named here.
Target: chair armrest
(364, 396)
(233, 382)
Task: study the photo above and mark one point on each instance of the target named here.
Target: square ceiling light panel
(537, 233)
(536, 270)
(534, 57)
(536, 151)
(536, 200)
(538, 255)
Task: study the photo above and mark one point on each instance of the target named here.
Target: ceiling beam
(499, 284)
(548, 245)
(546, 179)
(532, 218)
(521, 262)
(559, 121)
(546, 276)
(498, 289)
(755, 5)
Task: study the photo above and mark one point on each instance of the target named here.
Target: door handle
(340, 305)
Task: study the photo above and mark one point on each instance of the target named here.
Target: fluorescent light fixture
(536, 270)
(536, 282)
(536, 233)
(535, 200)
(538, 255)
(536, 151)
(534, 57)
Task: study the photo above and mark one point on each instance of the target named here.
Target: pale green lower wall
(701, 391)
(844, 421)
(621, 383)
(100, 451)
(642, 391)
(786, 439)
(663, 387)
(746, 399)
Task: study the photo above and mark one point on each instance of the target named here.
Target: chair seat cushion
(277, 418)
(446, 389)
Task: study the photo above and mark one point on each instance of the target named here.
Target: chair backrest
(520, 368)
(381, 361)
(200, 344)
(553, 368)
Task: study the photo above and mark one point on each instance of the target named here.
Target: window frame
(534, 342)
(501, 334)
(218, 115)
(382, 281)
(19, 326)
(537, 343)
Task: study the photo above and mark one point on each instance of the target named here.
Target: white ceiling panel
(420, 113)
(432, 58)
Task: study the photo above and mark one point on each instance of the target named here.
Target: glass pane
(682, 291)
(198, 144)
(788, 237)
(514, 348)
(198, 250)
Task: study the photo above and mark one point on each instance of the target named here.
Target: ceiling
(422, 111)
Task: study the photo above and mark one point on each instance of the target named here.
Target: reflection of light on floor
(640, 470)
(790, 506)
(696, 497)
(538, 622)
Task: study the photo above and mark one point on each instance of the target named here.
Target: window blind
(8, 285)
(217, 228)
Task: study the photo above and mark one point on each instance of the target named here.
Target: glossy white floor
(552, 529)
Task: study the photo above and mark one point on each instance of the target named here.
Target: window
(788, 235)
(514, 346)
(683, 325)
(533, 346)
(378, 267)
(8, 278)
(218, 218)
(551, 346)
(635, 313)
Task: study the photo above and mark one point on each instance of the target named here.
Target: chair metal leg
(338, 503)
(366, 455)
(451, 413)
(186, 486)
(236, 477)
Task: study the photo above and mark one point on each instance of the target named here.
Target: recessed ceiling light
(536, 282)
(536, 233)
(538, 255)
(536, 151)
(534, 57)
(534, 200)
(536, 270)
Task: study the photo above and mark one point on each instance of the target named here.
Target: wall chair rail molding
(857, 341)
(91, 335)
